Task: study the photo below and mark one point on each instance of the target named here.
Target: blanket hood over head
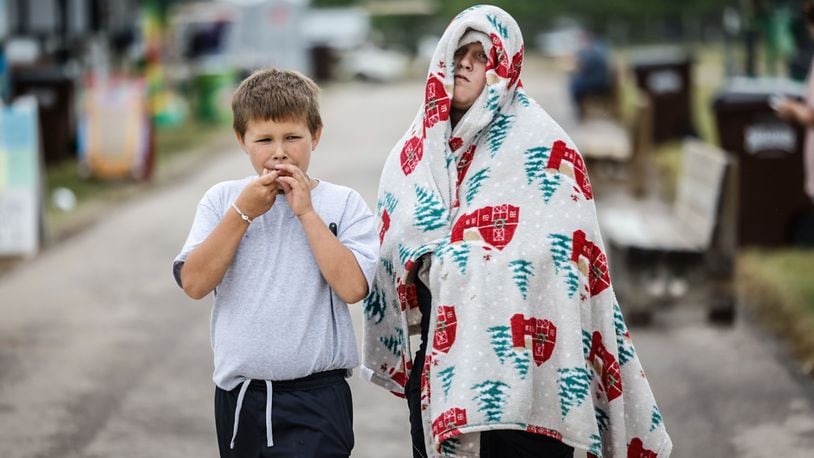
(525, 331)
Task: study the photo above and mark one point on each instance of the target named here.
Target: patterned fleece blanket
(525, 332)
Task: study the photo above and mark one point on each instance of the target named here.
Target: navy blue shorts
(310, 417)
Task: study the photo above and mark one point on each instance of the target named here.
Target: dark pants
(581, 88)
(412, 391)
(493, 444)
(311, 417)
(521, 444)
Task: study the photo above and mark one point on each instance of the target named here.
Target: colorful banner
(20, 201)
(114, 128)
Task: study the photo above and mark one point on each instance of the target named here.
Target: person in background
(591, 74)
(490, 251)
(802, 112)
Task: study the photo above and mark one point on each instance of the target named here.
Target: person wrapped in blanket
(490, 250)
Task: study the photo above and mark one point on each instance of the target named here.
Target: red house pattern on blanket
(446, 425)
(605, 364)
(636, 450)
(411, 155)
(553, 433)
(408, 298)
(499, 60)
(591, 261)
(425, 381)
(495, 225)
(517, 63)
(436, 102)
(569, 161)
(455, 143)
(384, 225)
(541, 332)
(446, 325)
(463, 166)
(399, 376)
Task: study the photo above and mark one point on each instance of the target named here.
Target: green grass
(792, 270)
(778, 285)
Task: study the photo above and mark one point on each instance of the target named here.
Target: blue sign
(20, 200)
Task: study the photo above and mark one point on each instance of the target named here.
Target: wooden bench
(615, 149)
(656, 249)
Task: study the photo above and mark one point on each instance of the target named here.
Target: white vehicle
(371, 63)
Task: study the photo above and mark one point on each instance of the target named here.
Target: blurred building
(240, 34)
(48, 46)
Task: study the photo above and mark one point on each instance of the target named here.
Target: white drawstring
(269, 439)
(239, 406)
(237, 410)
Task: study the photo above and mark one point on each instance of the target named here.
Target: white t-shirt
(272, 316)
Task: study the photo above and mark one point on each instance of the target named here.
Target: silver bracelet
(242, 215)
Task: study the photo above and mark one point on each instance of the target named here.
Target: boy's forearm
(207, 264)
(336, 262)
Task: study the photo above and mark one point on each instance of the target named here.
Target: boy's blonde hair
(278, 95)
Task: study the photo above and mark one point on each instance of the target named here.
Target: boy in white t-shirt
(284, 254)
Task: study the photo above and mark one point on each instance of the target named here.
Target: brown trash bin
(665, 75)
(771, 199)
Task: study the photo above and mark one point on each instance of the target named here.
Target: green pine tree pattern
(521, 363)
(430, 213)
(458, 252)
(536, 161)
(387, 202)
(626, 350)
(549, 185)
(375, 305)
(405, 254)
(596, 445)
(388, 267)
(501, 340)
(491, 396)
(394, 342)
(561, 252)
(575, 385)
(450, 446)
(492, 99)
(522, 98)
(449, 157)
(602, 419)
(502, 29)
(471, 8)
(474, 182)
(586, 343)
(522, 271)
(497, 132)
(655, 418)
(446, 375)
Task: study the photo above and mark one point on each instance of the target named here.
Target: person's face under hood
(470, 75)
